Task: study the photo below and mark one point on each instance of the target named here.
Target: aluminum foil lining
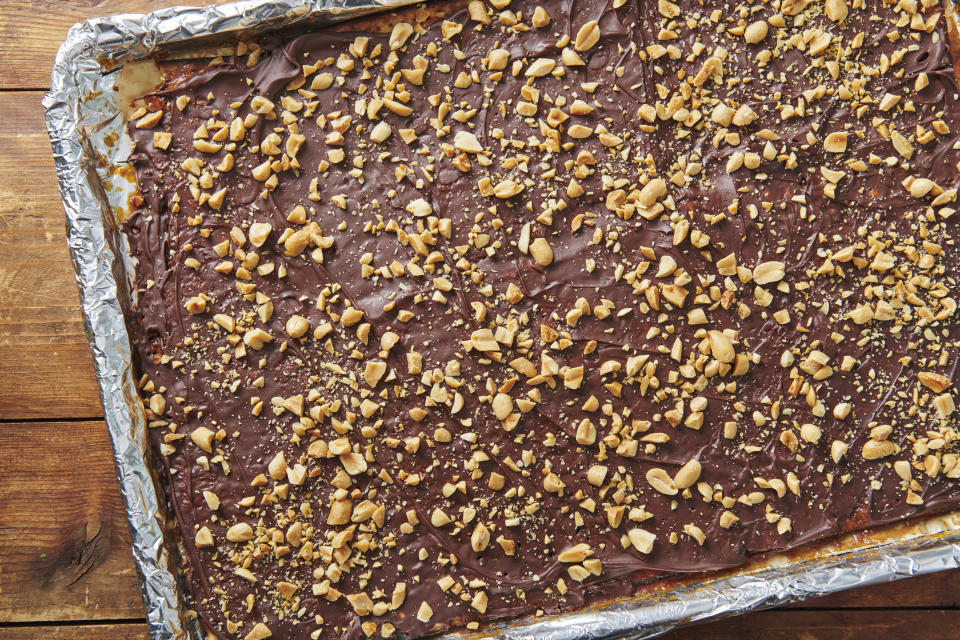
(91, 147)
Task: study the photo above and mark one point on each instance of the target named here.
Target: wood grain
(137, 631)
(66, 552)
(935, 590)
(827, 625)
(77, 632)
(46, 370)
(31, 31)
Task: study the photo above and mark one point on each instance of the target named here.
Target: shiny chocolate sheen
(420, 242)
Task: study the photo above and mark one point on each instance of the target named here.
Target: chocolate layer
(509, 312)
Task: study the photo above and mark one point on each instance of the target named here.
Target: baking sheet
(90, 145)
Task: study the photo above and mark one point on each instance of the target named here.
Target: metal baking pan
(86, 123)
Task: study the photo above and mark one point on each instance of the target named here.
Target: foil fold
(85, 123)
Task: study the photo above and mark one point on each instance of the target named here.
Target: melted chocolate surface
(713, 317)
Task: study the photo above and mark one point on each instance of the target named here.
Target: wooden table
(65, 565)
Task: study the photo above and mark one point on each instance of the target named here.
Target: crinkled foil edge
(82, 109)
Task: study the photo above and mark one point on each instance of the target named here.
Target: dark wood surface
(66, 571)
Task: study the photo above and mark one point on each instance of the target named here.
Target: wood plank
(67, 546)
(125, 631)
(33, 30)
(827, 625)
(46, 370)
(940, 589)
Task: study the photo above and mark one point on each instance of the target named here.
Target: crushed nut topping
(482, 311)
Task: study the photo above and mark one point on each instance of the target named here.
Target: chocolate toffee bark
(509, 311)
